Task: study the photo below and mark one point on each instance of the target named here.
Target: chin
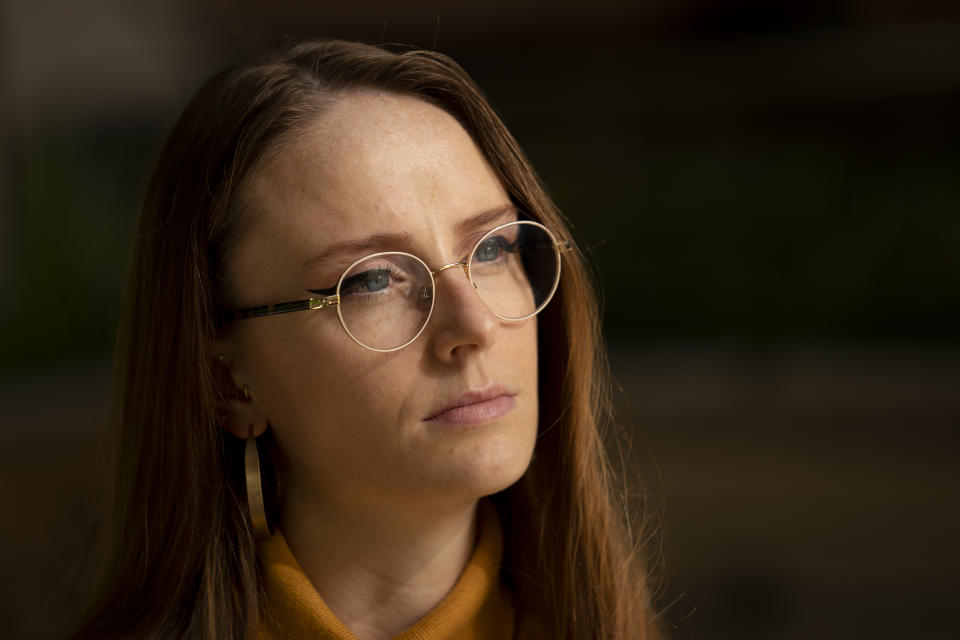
(490, 467)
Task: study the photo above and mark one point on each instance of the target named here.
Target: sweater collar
(478, 606)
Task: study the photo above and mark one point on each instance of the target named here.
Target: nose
(461, 321)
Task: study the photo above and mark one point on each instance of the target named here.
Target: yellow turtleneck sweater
(477, 608)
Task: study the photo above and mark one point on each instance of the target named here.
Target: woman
(345, 258)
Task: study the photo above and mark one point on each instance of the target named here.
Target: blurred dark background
(770, 195)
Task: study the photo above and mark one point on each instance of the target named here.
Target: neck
(379, 570)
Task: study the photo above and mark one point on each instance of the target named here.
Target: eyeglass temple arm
(328, 300)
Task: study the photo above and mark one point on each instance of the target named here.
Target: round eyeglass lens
(385, 300)
(515, 269)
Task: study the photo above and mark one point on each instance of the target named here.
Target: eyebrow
(371, 244)
(388, 241)
(483, 220)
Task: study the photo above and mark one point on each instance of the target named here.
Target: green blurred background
(769, 193)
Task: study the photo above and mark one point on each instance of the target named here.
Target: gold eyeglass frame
(333, 300)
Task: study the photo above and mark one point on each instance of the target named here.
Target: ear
(246, 417)
(241, 414)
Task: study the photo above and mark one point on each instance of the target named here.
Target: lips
(475, 407)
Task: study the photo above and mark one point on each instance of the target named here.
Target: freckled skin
(350, 422)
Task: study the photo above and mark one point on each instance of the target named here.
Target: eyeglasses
(385, 300)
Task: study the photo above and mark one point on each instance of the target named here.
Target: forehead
(374, 163)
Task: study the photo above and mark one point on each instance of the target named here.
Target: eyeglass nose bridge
(463, 265)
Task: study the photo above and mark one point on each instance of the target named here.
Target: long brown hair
(181, 555)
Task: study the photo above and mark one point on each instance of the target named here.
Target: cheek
(326, 397)
(521, 351)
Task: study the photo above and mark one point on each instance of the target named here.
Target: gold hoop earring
(258, 513)
(246, 393)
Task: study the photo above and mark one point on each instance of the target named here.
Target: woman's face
(381, 172)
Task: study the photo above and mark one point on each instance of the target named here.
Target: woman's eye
(490, 249)
(367, 282)
(377, 280)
